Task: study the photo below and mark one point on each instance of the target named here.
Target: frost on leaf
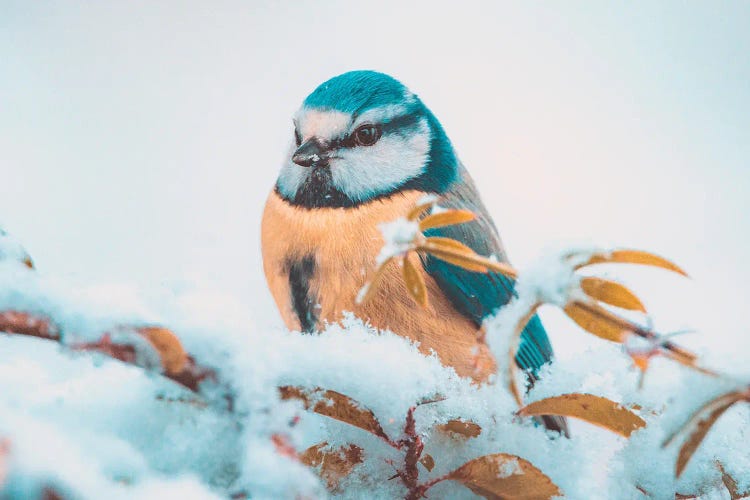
(403, 239)
(337, 406)
(699, 423)
(593, 409)
(24, 323)
(505, 476)
(462, 428)
(332, 465)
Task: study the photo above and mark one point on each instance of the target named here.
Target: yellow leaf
(419, 209)
(515, 342)
(415, 282)
(337, 406)
(626, 256)
(699, 424)
(611, 293)
(370, 288)
(462, 428)
(503, 476)
(455, 258)
(593, 409)
(172, 354)
(332, 465)
(449, 244)
(446, 218)
(597, 320)
(458, 254)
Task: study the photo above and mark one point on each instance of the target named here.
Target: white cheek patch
(365, 171)
(292, 176)
(325, 125)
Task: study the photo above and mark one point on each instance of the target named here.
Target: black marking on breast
(300, 273)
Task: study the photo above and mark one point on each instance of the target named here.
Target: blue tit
(365, 150)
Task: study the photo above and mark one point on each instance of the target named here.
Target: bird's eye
(367, 135)
(297, 137)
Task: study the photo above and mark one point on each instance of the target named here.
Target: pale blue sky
(138, 140)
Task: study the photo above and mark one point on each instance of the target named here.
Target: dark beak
(311, 153)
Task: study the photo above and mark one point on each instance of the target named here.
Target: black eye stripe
(396, 124)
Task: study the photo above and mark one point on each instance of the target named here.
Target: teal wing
(478, 295)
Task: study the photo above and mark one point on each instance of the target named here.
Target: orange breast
(343, 244)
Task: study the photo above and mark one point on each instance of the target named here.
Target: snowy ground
(138, 143)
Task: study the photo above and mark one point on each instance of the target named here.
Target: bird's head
(361, 136)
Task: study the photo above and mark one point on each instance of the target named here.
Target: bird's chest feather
(316, 261)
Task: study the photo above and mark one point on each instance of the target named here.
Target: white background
(138, 140)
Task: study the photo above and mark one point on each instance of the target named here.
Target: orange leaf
(597, 320)
(336, 406)
(611, 293)
(593, 409)
(461, 428)
(503, 476)
(699, 424)
(332, 465)
(172, 354)
(414, 282)
(626, 256)
(446, 218)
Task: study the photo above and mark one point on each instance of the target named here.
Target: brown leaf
(626, 256)
(24, 323)
(414, 282)
(503, 476)
(611, 293)
(446, 218)
(593, 409)
(172, 354)
(699, 424)
(428, 462)
(461, 428)
(597, 320)
(730, 484)
(337, 406)
(332, 465)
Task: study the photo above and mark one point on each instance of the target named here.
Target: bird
(365, 150)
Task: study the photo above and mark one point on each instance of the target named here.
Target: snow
(88, 426)
(399, 238)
